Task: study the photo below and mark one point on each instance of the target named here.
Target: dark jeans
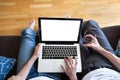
(90, 58)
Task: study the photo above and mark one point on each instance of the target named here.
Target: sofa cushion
(9, 46)
(6, 64)
(113, 34)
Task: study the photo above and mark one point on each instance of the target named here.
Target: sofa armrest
(9, 46)
(113, 34)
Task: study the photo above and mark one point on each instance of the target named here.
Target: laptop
(59, 38)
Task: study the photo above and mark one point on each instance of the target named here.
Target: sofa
(10, 44)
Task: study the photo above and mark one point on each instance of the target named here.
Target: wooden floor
(16, 14)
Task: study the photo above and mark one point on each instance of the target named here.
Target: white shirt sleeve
(102, 74)
(41, 78)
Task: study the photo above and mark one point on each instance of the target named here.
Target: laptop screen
(59, 29)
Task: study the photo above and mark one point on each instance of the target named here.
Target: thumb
(86, 45)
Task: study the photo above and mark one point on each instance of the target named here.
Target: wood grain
(16, 14)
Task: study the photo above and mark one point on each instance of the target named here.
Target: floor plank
(16, 14)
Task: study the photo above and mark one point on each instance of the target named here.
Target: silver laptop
(59, 38)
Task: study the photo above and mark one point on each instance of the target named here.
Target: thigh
(95, 59)
(93, 26)
(26, 47)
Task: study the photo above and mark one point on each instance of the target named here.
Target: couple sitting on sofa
(99, 59)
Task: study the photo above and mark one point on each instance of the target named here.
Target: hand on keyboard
(70, 68)
(36, 52)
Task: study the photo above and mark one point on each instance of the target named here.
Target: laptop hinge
(59, 43)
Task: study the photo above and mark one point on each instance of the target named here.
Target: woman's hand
(36, 51)
(70, 69)
(14, 78)
(93, 43)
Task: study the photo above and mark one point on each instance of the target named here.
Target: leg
(26, 50)
(93, 26)
(95, 60)
(117, 51)
(27, 45)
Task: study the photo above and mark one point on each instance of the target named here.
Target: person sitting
(27, 56)
(103, 73)
(95, 70)
(99, 60)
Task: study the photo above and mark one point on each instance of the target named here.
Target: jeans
(27, 46)
(117, 51)
(92, 59)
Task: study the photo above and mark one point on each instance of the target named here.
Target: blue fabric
(118, 49)
(26, 48)
(89, 56)
(33, 73)
(6, 64)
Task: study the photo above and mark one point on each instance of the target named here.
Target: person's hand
(36, 51)
(93, 43)
(14, 78)
(70, 68)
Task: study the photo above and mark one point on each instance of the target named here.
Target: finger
(76, 62)
(70, 60)
(90, 35)
(38, 44)
(63, 68)
(86, 45)
(36, 51)
(67, 63)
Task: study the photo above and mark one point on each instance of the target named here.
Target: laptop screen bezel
(58, 42)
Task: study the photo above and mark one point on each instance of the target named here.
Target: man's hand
(93, 43)
(70, 69)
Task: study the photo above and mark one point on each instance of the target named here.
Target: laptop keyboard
(58, 52)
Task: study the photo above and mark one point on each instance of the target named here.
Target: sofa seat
(10, 44)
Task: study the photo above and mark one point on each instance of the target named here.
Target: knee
(28, 34)
(92, 23)
(27, 31)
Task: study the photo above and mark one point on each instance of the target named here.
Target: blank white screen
(60, 30)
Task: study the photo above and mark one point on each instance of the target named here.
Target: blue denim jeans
(27, 46)
(117, 51)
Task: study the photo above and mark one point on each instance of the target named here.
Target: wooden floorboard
(16, 14)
